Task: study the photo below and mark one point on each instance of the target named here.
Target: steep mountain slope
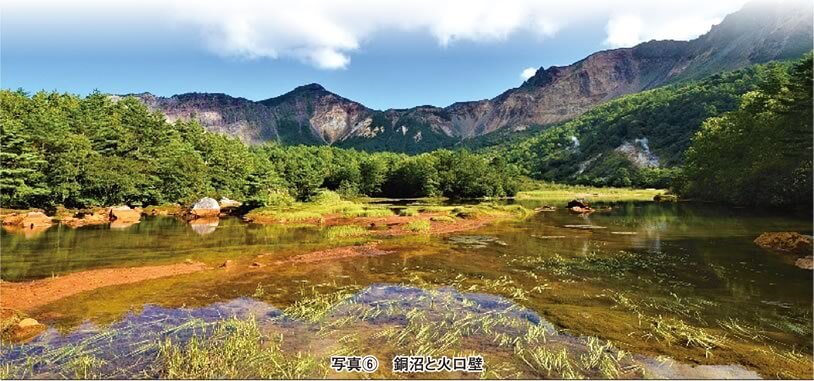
(635, 139)
(310, 114)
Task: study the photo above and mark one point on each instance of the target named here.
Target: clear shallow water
(648, 279)
(129, 347)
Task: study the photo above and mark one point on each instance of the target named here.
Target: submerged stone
(788, 242)
(475, 241)
(585, 227)
(805, 263)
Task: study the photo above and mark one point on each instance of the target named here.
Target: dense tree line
(585, 149)
(61, 149)
(760, 153)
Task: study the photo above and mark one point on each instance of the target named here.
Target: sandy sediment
(26, 296)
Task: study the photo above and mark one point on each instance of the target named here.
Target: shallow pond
(681, 281)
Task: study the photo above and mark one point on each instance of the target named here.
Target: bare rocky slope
(310, 114)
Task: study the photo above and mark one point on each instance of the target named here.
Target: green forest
(61, 149)
(740, 137)
(584, 150)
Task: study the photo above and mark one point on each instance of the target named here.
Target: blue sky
(384, 54)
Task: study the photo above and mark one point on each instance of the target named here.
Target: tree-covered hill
(638, 139)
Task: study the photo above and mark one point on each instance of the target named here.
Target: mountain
(758, 33)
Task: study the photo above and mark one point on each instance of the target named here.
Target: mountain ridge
(310, 114)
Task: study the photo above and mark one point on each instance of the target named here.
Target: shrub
(326, 197)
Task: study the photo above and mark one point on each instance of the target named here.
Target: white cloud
(326, 34)
(628, 30)
(624, 30)
(528, 73)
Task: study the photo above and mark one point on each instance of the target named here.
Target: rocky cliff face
(312, 115)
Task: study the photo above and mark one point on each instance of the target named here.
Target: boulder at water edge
(124, 215)
(205, 207)
(28, 220)
(226, 203)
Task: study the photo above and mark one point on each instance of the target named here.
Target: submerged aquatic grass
(315, 306)
(236, 349)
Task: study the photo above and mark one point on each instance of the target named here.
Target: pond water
(682, 281)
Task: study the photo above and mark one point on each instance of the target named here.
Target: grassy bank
(350, 217)
(561, 192)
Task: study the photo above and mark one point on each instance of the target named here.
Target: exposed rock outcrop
(97, 217)
(226, 203)
(758, 33)
(124, 215)
(29, 220)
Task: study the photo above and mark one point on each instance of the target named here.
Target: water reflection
(204, 226)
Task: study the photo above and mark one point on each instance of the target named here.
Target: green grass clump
(436, 209)
(409, 212)
(323, 204)
(345, 231)
(446, 219)
(368, 212)
(163, 210)
(418, 226)
(297, 216)
(564, 193)
(490, 209)
(236, 350)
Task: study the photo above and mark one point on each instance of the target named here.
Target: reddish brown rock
(124, 215)
(787, 242)
(30, 220)
(98, 217)
(580, 210)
